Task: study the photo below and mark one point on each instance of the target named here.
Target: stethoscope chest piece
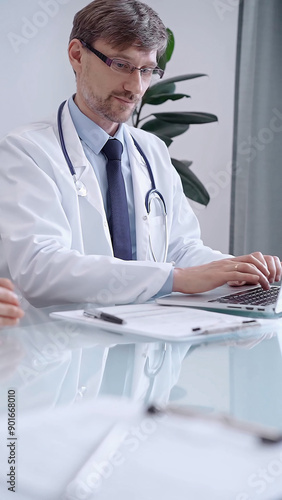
(79, 186)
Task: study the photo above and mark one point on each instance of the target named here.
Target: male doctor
(76, 226)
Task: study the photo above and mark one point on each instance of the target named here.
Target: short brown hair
(121, 23)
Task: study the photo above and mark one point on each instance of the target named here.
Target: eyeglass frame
(109, 62)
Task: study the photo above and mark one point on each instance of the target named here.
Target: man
(67, 235)
(10, 311)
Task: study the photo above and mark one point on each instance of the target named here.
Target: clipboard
(162, 323)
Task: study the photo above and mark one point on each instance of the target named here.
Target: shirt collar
(89, 132)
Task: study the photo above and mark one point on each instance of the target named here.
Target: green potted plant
(169, 125)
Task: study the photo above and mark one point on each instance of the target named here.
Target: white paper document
(160, 322)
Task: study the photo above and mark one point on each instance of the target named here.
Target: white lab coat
(56, 245)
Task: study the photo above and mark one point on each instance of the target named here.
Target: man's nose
(134, 83)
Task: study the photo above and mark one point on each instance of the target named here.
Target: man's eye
(146, 71)
(121, 65)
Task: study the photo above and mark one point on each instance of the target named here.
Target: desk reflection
(256, 382)
(74, 384)
(61, 363)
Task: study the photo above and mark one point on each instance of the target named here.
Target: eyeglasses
(124, 66)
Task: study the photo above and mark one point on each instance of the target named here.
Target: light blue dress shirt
(93, 138)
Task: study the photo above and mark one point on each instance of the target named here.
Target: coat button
(145, 217)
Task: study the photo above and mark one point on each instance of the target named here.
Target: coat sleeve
(37, 249)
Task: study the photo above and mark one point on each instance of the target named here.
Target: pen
(104, 317)
(266, 434)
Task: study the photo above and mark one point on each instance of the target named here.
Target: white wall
(36, 77)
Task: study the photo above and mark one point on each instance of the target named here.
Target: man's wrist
(178, 279)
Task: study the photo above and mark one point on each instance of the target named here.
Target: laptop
(247, 300)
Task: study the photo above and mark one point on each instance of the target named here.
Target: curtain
(256, 197)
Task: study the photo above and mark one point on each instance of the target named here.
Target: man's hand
(10, 311)
(271, 262)
(253, 269)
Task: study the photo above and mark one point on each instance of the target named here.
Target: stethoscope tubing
(62, 140)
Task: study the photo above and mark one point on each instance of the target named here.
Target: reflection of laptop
(247, 299)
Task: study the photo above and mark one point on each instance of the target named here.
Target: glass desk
(71, 396)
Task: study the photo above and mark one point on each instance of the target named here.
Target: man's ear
(75, 54)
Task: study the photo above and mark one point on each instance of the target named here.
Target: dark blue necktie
(119, 219)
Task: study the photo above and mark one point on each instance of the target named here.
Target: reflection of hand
(10, 311)
(253, 269)
(11, 352)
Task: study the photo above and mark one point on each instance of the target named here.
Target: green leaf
(187, 163)
(161, 128)
(181, 78)
(161, 98)
(158, 89)
(186, 117)
(164, 83)
(169, 50)
(192, 186)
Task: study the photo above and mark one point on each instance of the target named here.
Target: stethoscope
(153, 195)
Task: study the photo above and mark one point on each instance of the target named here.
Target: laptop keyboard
(256, 296)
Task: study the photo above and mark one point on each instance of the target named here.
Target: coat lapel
(91, 206)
